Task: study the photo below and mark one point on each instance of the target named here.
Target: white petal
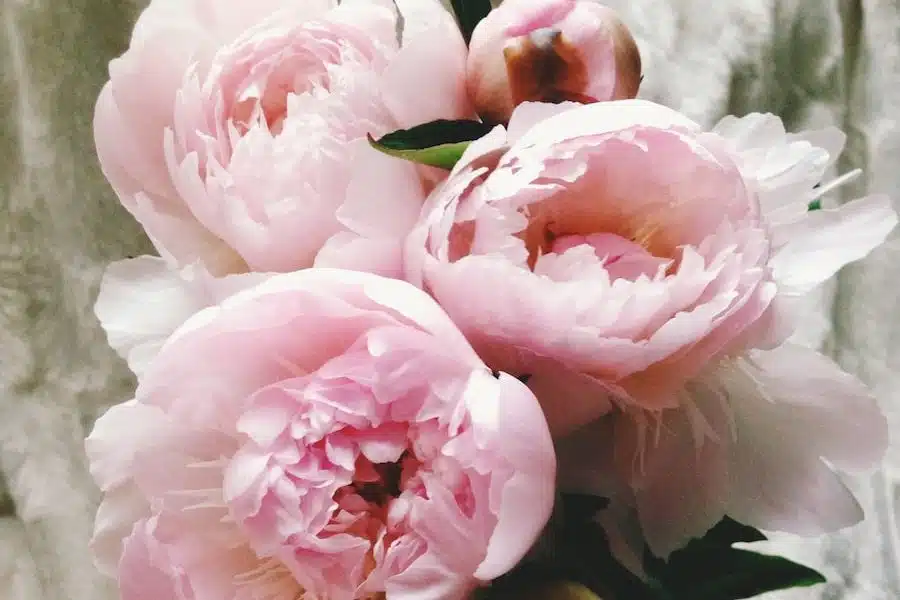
(785, 166)
(794, 410)
(815, 247)
(421, 15)
(143, 300)
(680, 483)
(755, 130)
(121, 507)
(843, 419)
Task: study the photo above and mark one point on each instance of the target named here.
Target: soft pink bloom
(326, 434)
(550, 50)
(235, 131)
(629, 261)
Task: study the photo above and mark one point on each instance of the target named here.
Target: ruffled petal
(796, 416)
(677, 466)
(146, 571)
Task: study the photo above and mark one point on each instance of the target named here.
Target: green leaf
(469, 13)
(815, 205)
(575, 550)
(728, 532)
(437, 144)
(731, 574)
(709, 568)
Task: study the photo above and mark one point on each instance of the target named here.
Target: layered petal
(642, 275)
(597, 269)
(325, 433)
(762, 439)
(243, 148)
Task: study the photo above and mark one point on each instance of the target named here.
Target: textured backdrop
(813, 62)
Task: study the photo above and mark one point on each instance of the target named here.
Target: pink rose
(628, 261)
(235, 131)
(550, 50)
(328, 434)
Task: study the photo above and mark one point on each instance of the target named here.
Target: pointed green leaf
(815, 205)
(732, 574)
(576, 551)
(469, 13)
(709, 568)
(728, 532)
(437, 144)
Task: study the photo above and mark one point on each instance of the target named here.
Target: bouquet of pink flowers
(442, 311)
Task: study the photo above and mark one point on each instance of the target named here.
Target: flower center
(364, 505)
(386, 488)
(263, 95)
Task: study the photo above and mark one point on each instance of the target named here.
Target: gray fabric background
(813, 62)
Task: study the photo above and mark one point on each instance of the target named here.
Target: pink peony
(628, 261)
(325, 434)
(235, 131)
(550, 50)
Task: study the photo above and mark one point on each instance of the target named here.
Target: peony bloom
(235, 131)
(628, 261)
(551, 51)
(326, 434)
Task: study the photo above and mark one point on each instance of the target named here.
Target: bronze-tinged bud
(550, 51)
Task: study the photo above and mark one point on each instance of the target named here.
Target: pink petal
(794, 412)
(523, 440)
(146, 571)
(528, 114)
(171, 227)
(605, 117)
(384, 196)
(347, 250)
(435, 53)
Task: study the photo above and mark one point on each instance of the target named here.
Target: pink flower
(328, 434)
(634, 265)
(235, 131)
(550, 50)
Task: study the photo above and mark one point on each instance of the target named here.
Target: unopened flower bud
(550, 51)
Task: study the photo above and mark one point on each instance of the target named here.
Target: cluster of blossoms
(361, 377)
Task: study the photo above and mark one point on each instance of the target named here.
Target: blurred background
(813, 62)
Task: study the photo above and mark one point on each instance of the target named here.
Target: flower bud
(550, 51)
